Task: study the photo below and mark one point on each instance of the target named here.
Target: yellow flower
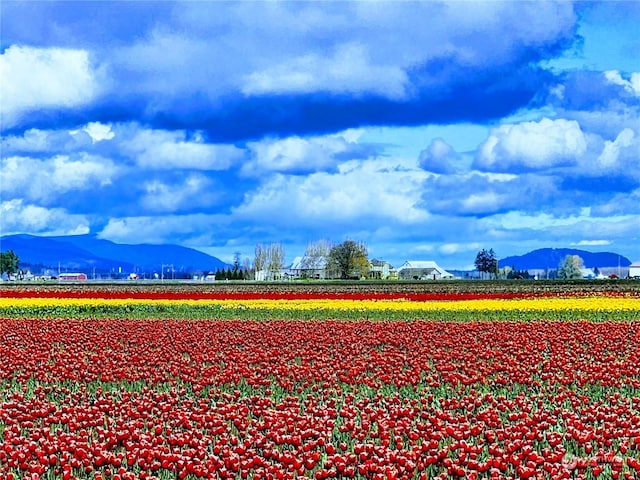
(543, 304)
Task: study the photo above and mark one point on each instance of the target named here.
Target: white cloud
(479, 194)
(37, 78)
(196, 190)
(484, 202)
(348, 70)
(537, 221)
(452, 248)
(354, 48)
(437, 157)
(296, 154)
(590, 243)
(632, 85)
(161, 229)
(359, 194)
(612, 149)
(99, 131)
(620, 204)
(19, 217)
(532, 145)
(32, 140)
(51, 178)
(48, 142)
(81, 173)
(423, 248)
(165, 150)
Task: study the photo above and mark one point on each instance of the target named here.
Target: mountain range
(551, 258)
(88, 252)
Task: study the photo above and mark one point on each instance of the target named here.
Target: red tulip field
(109, 383)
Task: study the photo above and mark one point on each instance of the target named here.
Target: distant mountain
(85, 252)
(550, 258)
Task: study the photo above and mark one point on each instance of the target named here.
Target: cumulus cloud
(632, 85)
(172, 229)
(302, 155)
(357, 192)
(329, 66)
(98, 131)
(36, 140)
(36, 78)
(619, 204)
(479, 194)
(168, 150)
(625, 144)
(51, 179)
(532, 146)
(196, 190)
(438, 157)
(18, 217)
(347, 70)
(184, 123)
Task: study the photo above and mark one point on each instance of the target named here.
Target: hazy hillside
(83, 252)
(550, 258)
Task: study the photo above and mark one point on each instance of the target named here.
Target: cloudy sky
(427, 130)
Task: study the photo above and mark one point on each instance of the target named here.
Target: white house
(634, 270)
(381, 270)
(422, 270)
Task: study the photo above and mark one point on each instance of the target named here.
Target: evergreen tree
(486, 262)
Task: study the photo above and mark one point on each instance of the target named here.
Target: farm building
(588, 273)
(634, 270)
(381, 270)
(422, 270)
(309, 267)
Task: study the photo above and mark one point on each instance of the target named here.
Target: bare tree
(248, 268)
(260, 261)
(268, 261)
(275, 259)
(316, 256)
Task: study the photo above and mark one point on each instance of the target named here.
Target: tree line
(346, 260)
(571, 267)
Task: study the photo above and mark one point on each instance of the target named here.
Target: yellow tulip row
(542, 304)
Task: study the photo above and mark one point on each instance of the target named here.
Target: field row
(172, 399)
(446, 290)
(621, 307)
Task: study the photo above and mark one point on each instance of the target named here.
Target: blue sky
(427, 130)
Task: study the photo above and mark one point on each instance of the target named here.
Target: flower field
(321, 304)
(166, 382)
